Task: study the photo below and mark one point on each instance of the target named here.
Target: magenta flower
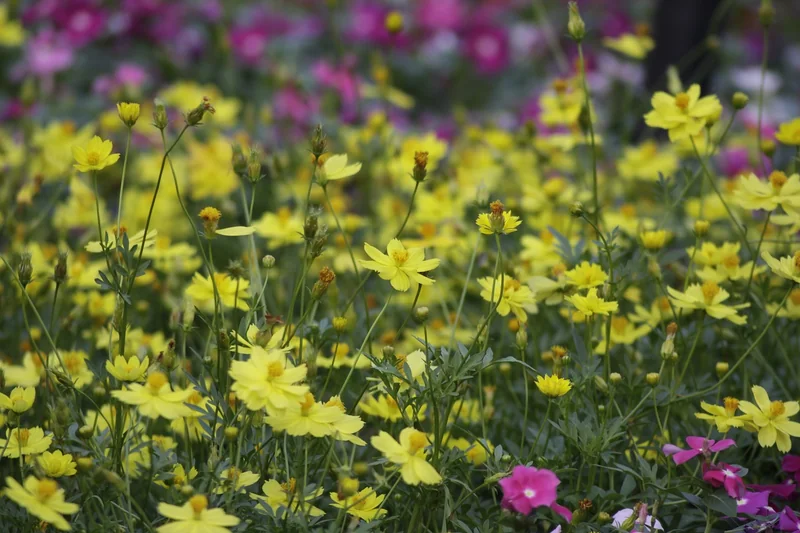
(791, 464)
(440, 14)
(753, 503)
(784, 490)
(698, 446)
(528, 488)
(724, 475)
(789, 521)
(249, 43)
(488, 47)
(48, 53)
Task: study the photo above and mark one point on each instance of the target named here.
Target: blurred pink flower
(487, 46)
(48, 53)
(528, 487)
(80, 21)
(698, 446)
(249, 43)
(789, 520)
(440, 14)
(791, 464)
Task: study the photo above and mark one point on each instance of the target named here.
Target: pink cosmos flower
(487, 45)
(724, 475)
(753, 503)
(698, 446)
(789, 520)
(48, 53)
(528, 487)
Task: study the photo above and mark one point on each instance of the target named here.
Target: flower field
(427, 266)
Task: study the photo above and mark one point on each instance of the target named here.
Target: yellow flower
(655, 240)
(512, 296)
(128, 113)
(562, 106)
(278, 495)
(43, 499)
(723, 416)
(383, 407)
(771, 419)
(268, 380)
(710, 254)
(790, 310)
(365, 504)
(401, 266)
(11, 32)
(190, 422)
(708, 297)
(23, 441)
(281, 228)
(96, 155)
(553, 386)
(786, 267)
(476, 452)
(234, 479)
(316, 419)
(623, 331)
(20, 400)
(779, 190)
(194, 516)
(630, 44)
(498, 221)
(131, 370)
(56, 464)
(232, 291)
(156, 398)
(335, 167)
(409, 454)
(789, 132)
(591, 304)
(586, 275)
(179, 477)
(683, 115)
(115, 240)
(646, 161)
(730, 268)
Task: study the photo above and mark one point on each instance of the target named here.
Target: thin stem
(363, 344)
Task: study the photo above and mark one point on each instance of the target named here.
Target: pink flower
(724, 475)
(753, 502)
(249, 43)
(528, 487)
(488, 47)
(791, 464)
(698, 446)
(440, 14)
(48, 53)
(789, 520)
(784, 490)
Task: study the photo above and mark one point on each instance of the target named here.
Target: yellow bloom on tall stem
(512, 296)
(43, 499)
(232, 291)
(708, 297)
(683, 115)
(409, 454)
(778, 190)
(131, 369)
(365, 504)
(155, 398)
(268, 380)
(498, 221)
(24, 441)
(591, 304)
(335, 167)
(586, 275)
(786, 267)
(553, 386)
(771, 419)
(789, 132)
(723, 416)
(96, 155)
(400, 266)
(194, 516)
(277, 495)
(19, 400)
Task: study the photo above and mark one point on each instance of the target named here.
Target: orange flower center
(290, 486)
(627, 210)
(732, 261)
(546, 236)
(156, 380)
(795, 297)
(778, 179)
(400, 257)
(428, 230)
(682, 101)
(22, 436)
(416, 442)
(46, 488)
(92, 158)
(731, 405)
(275, 369)
(307, 403)
(710, 291)
(619, 323)
(391, 403)
(199, 503)
(663, 303)
(776, 408)
(797, 260)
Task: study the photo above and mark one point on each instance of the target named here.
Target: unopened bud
(388, 352)
(420, 171)
(576, 209)
(231, 432)
(326, 277)
(60, 270)
(766, 13)
(421, 314)
(360, 468)
(739, 100)
(25, 269)
(615, 378)
(84, 463)
(268, 261)
(601, 384)
(522, 338)
(340, 324)
(653, 378)
(575, 25)
(701, 227)
(394, 22)
(238, 160)
(160, 119)
(768, 147)
(722, 368)
(319, 142)
(254, 167)
(311, 226)
(195, 116)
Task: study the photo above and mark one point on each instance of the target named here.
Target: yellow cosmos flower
(646, 161)
(24, 441)
(400, 266)
(180, 477)
(729, 269)
(591, 304)
(791, 308)
(723, 416)
(56, 464)
(409, 454)
(316, 419)
(131, 369)
(155, 398)
(335, 167)
(623, 331)
(128, 113)
(281, 228)
(771, 419)
(233, 479)
(268, 380)
(789, 132)
(194, 516)
(779, 190)
(115, 240)
(11, 32)
(786, 267)
(512, 296)
(277, 495)
(232, 291)
(562, 106)
(586, 275)
(655, 240)
(708, 297)
(365, 504)
(497, 221)
(683, 115)
(20, 400)
(712, 255)
(43, 499)
(383, 406)
(630, 44)
(190, 422)
(96, 155)
(553, 386)
(476, 452)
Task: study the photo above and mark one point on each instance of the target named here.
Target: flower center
(554, 187)
(22, 436)
(275, 369)
(93, 158)
(400, 257)
(797, 260)
(156, 380)
(682, 101)
(778, 179)
(710, 291)
(46, 488)
(619, 323)
(776, 408)
(290, 486)
(663, 303)
(628, 210)
(731, 405)
(307, 403)
(546, 237)
(416, 442)
(428, 230)
(728, 473)
(795, 297)
(731, 261)
(199, 504)
(529, 493)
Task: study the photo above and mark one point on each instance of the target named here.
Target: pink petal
(723, 444)
(685, 455)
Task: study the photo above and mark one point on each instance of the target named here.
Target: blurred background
(280, 67)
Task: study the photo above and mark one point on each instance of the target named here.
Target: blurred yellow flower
(365, 504)
(43, 499)
(131, 369)
(553, 386)
(19, 400)
(708, 297)
(56, 464)
(789, 132)
(591, 304)
(409, 454)
(195, 516)
(786, 267)
(683, 115)
(233, 292)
